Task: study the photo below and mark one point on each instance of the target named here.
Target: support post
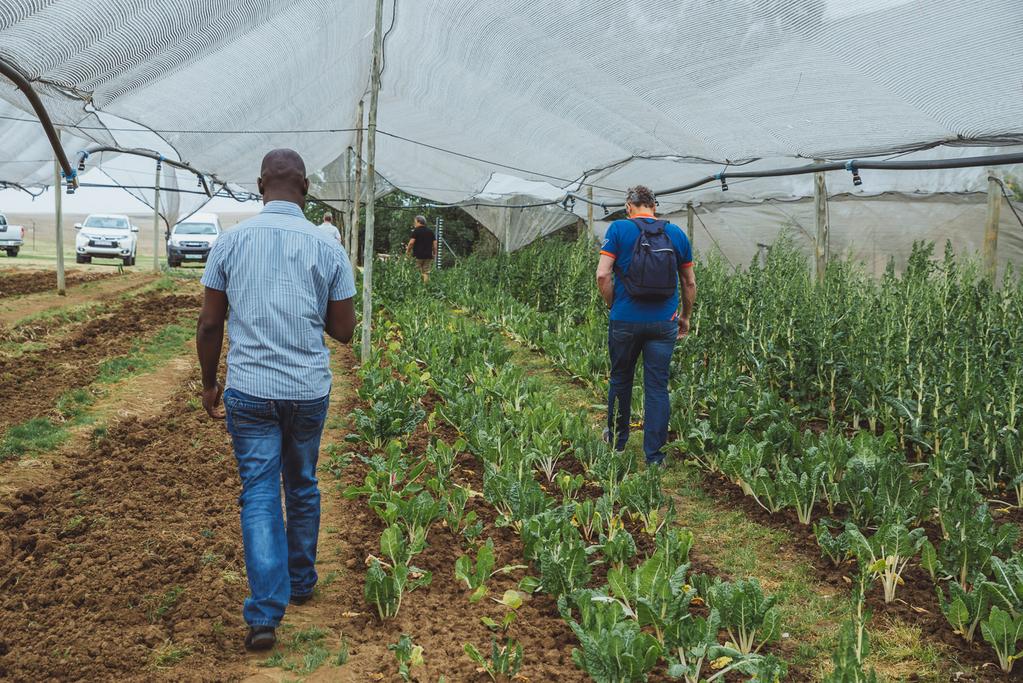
(349, 211)
(822, 241)
(357, 192)
(994, 209)
(58, 208)
(589, 212)
(690, 222)
(371, 154)
(156, 218)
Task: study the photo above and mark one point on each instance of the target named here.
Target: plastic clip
(82, 156)
(724, 183)
(851, 167)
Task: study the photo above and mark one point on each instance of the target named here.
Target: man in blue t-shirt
(639, 327)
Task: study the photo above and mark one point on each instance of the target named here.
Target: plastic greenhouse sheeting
(555, 92)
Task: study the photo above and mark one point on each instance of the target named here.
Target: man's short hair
(421, 220)
(327, 217)
(641, 195)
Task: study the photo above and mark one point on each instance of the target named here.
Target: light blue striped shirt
(279, 270)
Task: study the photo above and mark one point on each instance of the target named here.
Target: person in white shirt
(328, 226)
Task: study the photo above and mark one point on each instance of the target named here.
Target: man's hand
(211, 401)
(683, 327)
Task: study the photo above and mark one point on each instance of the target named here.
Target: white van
(191, 240)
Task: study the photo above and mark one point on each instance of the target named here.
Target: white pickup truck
(11, 236)
(106, 236)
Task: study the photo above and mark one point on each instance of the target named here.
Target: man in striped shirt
(286, 283)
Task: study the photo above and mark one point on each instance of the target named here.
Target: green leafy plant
(886, 553)
(750, 617)
(475, 574)
(1002, 632)
(408, 654)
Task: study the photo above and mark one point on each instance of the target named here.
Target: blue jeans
(656, 342)
(275, 439)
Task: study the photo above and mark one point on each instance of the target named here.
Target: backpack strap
(654, 228)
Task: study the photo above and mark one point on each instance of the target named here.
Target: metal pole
(156, 219)
(690, 223)
(357, 193)
(823, 237)
(994, 208)
(371, 153)
(58, 208)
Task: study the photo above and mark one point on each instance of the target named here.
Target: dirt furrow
(33, 382)
(16, 283)
(129, 561)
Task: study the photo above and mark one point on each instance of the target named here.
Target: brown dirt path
(15, 283)
(17, 308)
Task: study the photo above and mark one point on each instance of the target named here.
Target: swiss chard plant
(476, 573)
(886, 553)
(751, 618)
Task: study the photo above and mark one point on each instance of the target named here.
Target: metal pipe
(371, 185)
(150, 154)
(23, 84)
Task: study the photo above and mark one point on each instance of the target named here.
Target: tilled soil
(136, 545)
(915, 602)
(33, 381)
(15, 283)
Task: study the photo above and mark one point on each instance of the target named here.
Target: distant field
(41, 240)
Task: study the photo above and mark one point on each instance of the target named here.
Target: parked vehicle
(106, 236)
(192, 239)
(11, 236)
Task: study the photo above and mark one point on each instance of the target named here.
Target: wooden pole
(994, 209)
(357, 192)
(822, 242)
(371, 154)
(349, 210)
(589, 212)
(690, 227)
(58, 209)
(156, 218)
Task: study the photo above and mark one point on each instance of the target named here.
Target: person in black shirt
(423, 246)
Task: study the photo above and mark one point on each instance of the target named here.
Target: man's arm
(605, 281)
(209, 341)
(408, 249)
(435, 249)
(341, 320)
(688, 278)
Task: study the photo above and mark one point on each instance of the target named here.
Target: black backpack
(653, 270)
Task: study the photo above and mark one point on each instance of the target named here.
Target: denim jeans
(626, 341)
(274, 440)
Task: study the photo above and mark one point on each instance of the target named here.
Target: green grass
(304, 652)
(145, 355)
(38, 435)
(158, 606)
(169, 654)
(42, 434)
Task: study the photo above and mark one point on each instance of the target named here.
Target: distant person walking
(286, 283)
(328, 227)
(641, 261)
(423, 247)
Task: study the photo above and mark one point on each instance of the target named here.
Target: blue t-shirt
(619, 241)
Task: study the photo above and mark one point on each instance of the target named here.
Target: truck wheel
(128, 261)
(171, 263)
(82, 259)
(13, 251)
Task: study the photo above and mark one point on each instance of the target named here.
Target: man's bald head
(282, 177)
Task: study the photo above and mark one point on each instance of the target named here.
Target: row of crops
(884, 413)
(598, 535)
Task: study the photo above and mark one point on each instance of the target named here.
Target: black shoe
(260, 638)
(300, 599)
